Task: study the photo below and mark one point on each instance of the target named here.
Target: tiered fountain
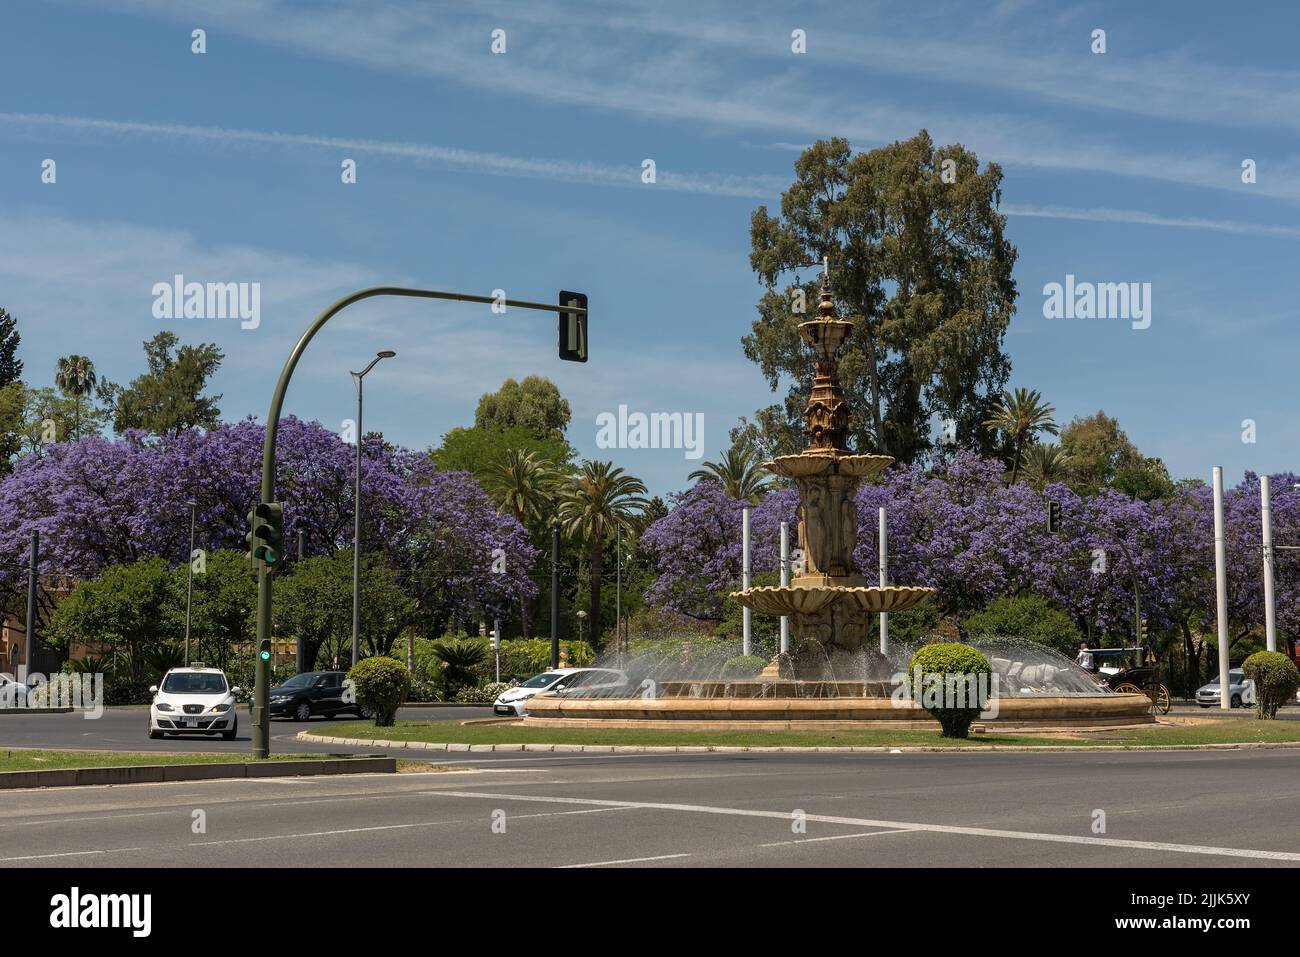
(833, 676)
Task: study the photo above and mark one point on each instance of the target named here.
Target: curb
(160, 773)
(743, 749)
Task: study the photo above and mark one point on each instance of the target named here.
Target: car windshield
(300, 681)
(194, 682)
(541, 681)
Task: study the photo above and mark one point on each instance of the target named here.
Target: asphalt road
(121, 729)
(1195, 810)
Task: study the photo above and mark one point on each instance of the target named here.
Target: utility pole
(189, 585)
(785, 583)
(30, 640)
(618, 589)
(300, 646)
(884, 579)
(744, 563)
(1221, 590)
(555, 596)
(1270, 608)
(356, 514)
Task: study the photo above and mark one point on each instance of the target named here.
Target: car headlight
(217, 708)
(164, 706)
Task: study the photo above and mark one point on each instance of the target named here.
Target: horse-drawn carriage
(1126, 672)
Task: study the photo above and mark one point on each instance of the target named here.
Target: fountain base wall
(827, 714)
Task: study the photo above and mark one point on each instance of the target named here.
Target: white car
(13, 694)
(193, 700)
(1240, 688)
(598, 682)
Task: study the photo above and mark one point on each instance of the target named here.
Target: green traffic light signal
(266, 535)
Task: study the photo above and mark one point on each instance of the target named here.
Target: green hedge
(933, 664)
(743, 666)
(381, 685)
(1276, 680)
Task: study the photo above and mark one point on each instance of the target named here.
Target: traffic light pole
(262, 686)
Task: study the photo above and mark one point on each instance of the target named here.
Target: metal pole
(744, 581)
(189, 586)
(356, 537)
(30, 641)
(261, 690)
(555, 596)
(300, 646)
(785, 583)
(884, 579)
(1221, 590)
(618, 584)
(496, 645)
(1270, 609)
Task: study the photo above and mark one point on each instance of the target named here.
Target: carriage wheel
(1160, 699)
(1128, 687)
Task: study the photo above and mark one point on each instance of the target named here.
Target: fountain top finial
(826, 307)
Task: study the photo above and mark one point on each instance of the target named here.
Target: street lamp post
(189, 587)
(356, 513)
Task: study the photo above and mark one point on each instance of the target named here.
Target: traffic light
(266, 532)
(264, 650)
(1053, 517)
(573, 327)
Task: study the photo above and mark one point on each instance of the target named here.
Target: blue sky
(521, 171)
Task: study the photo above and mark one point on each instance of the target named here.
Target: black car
(314, 693)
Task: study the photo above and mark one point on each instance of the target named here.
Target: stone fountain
(830, 605)
(834, 676)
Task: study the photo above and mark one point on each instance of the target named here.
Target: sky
(521, 170)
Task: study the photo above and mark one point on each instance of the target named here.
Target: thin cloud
(471, 161)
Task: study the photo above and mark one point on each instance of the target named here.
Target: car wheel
(230, 735)
(303, 711)
(155, 734)
(365, 714)
(1236, 701)
(1205, 706)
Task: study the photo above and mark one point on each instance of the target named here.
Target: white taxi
(193, 700)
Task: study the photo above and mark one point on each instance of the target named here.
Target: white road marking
(840, 837)
(901, 825)
(626, 860)
(44, 857)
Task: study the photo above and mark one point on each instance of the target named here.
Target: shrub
(1276, 680)
(933, 664)
(381, 685)
(1024, 616)
(484, 694)
(459, 657)
(743, 666)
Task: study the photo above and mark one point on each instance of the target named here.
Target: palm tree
(1045, 462)
(75, 376)
(739, 474)
(524, 485)
(1021, 415)
(598, 499)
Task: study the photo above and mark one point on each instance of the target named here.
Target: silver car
(1241, 691)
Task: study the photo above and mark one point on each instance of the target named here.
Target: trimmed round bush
(381, 685)
(1276, 680)
(948, 676)
(743, 666)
